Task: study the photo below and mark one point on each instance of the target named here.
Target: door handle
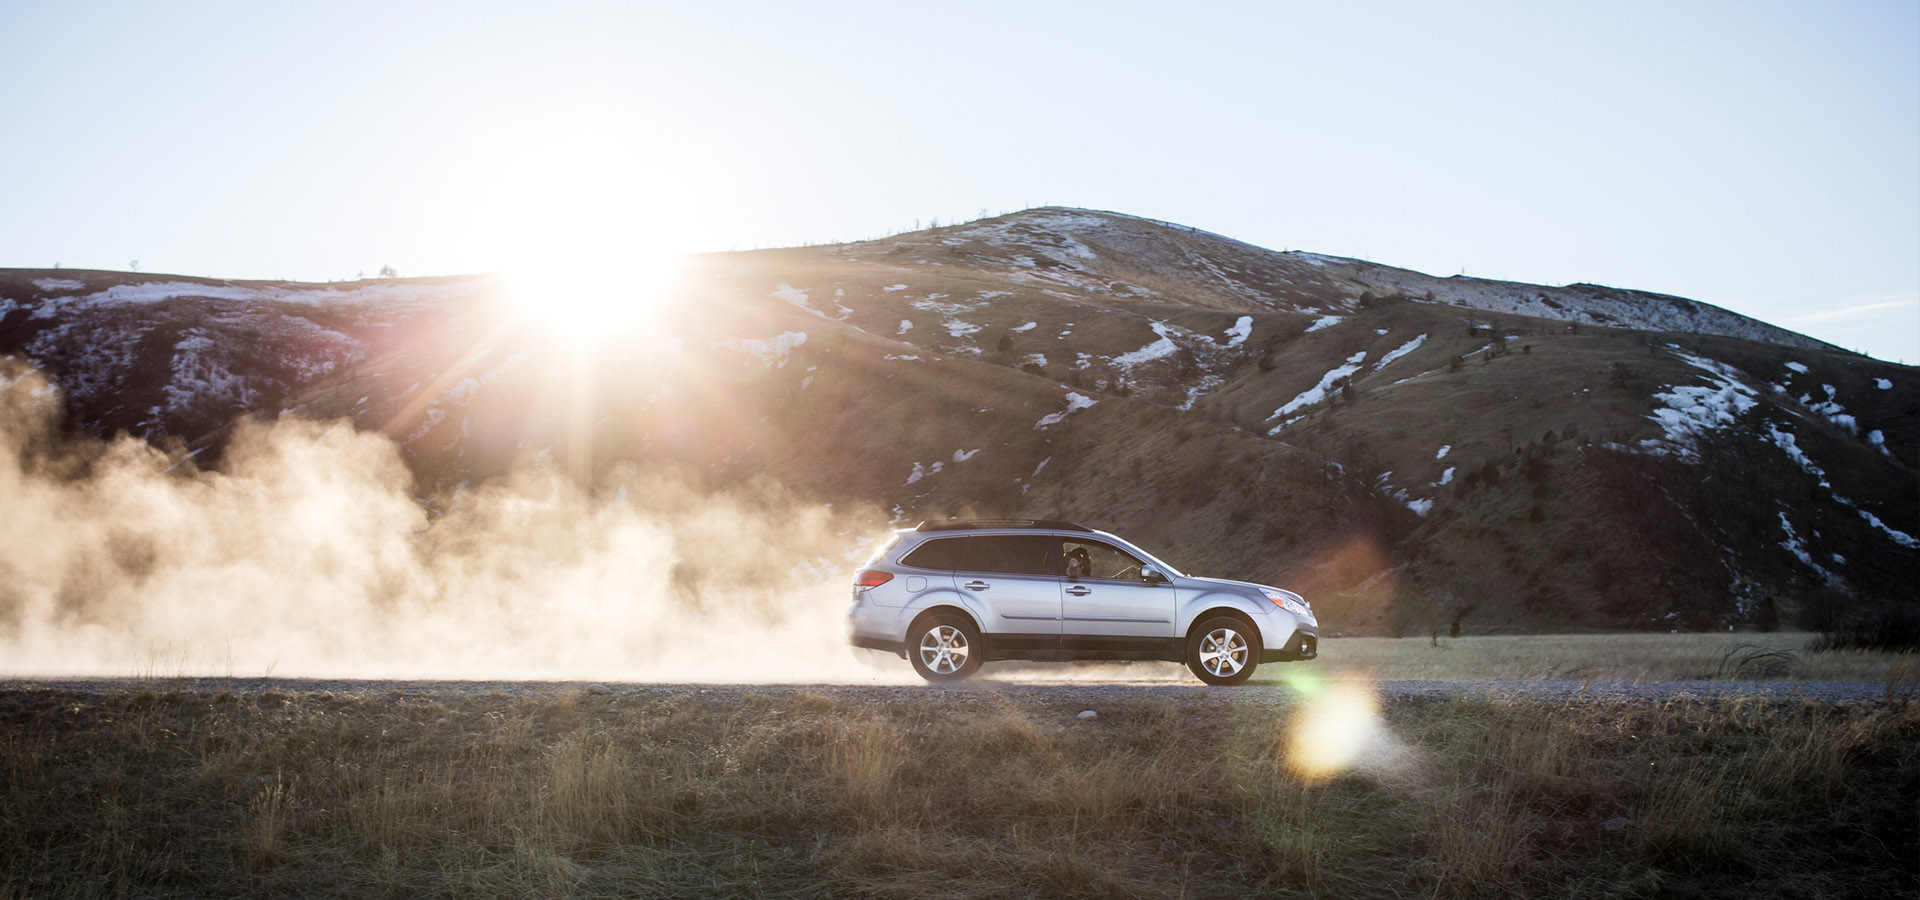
(1078, 591)
(975, 585)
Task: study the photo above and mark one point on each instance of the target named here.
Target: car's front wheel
(944, 647)
(1221, 651)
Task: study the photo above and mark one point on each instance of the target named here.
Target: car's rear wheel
(1221, 651)
(944, 647)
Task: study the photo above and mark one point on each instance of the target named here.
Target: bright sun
(585, 210)
(592, 300)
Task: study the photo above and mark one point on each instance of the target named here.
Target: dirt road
(1085, 692)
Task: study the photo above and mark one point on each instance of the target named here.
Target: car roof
(1001, 525)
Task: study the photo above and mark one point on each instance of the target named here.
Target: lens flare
(591, 305)
(1335, 726)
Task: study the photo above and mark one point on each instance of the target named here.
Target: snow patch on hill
(1831, 409)
(464, 390)
(1899, 537)
(1581, 304)
(199, 378)
(799, 300)
(1075, 402)
(1694, 411)
(1791, 447)
(773, 351)
(1798, 547)
(1315, 394)
(1241, 330)
(385, 295)
(1399, 351)
(1159, 349)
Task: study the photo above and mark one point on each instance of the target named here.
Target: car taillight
(871, 578)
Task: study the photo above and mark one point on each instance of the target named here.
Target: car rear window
(1016, 554)
(945, 554)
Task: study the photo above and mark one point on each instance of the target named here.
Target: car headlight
(1289, 601)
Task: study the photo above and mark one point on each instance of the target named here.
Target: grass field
(164, 790)
(1743, 656)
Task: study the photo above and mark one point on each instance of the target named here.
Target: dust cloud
(306, 553)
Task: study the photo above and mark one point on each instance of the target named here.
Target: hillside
(1408, 451)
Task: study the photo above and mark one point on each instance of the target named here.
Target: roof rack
(963, 524)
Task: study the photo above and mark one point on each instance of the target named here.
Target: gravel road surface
(1036, 691)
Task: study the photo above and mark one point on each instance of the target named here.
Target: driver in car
(1079, 564)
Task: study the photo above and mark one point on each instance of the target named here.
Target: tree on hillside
(1766, 615)
(389, 272)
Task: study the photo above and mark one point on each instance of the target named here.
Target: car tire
(1223, 651)
(944, 647)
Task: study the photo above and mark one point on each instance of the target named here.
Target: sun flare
(586, 212)
(1332, 729)
(593, 303)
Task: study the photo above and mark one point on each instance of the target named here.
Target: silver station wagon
(953, 595)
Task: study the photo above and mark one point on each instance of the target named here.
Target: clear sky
(1759, 156)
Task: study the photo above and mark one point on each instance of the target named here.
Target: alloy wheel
(943, 649)
(1223, 652)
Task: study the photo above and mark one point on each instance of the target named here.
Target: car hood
(1244, 588)
(1215, 584)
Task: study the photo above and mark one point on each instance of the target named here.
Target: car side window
(1012, 554)
(1099, 560)
(944, 555)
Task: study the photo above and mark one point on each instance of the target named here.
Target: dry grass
(919, 793)
(1745, 656)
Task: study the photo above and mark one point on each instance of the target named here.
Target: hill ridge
(1296, 418)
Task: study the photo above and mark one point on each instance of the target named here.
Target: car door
(1016, 578)
(1110, 604)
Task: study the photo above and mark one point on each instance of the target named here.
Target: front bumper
(1304, 644)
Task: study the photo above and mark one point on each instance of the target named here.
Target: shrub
(1766, 615)
(1892, 628)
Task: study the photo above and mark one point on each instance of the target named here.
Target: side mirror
(1151, 575)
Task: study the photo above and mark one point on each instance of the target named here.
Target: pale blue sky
(1763, 157)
